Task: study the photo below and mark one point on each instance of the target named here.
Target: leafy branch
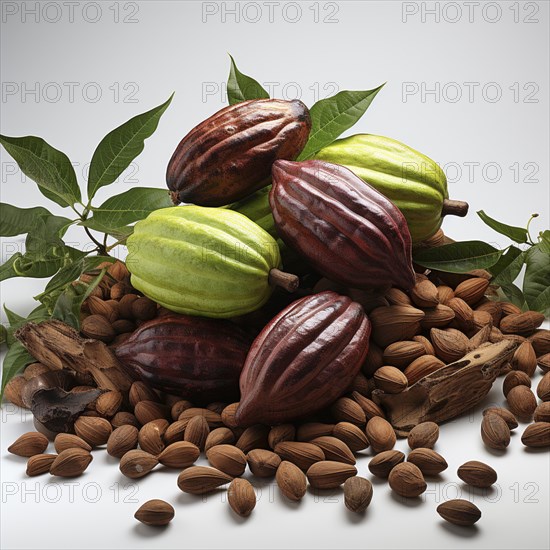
(46, 253)
(505, 265)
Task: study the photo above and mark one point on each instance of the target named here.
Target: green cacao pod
(411, 180)
(212, 262)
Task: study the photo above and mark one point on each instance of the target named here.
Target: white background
(486, 122)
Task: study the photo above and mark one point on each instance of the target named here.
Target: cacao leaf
(511, 293)
(459, 257)
(15, 360)
(332, 116)
(544, 241)
(128, 207)
(536, 282)
(18, 221)
(3, 335)
(241, 87)
(120, 147)
(505, 260)
(71, 272)
(7, 271)
(49, 168)
(517, 234)
(69, 302)
(510, 273)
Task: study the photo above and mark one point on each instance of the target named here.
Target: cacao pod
(303, 360)
(191, 357)
(256, 207)
(349, 232)
(204, 261)
(229, 155)
(411, 180)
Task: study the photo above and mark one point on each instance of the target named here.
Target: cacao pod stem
(287, 281)
(174, 195)
(454, 208)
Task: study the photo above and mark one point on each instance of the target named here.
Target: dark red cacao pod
(347, 229)
(193, 357)
(303, 360)
(229, 155)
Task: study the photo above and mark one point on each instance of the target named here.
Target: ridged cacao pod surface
(229, 155)
(192, 357)
(412, 181)
(303, 360)
(212, 262)
(349, 231)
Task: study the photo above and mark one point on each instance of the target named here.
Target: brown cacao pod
(229, 155)
(349, 231)
(191, 357)
(303, 360)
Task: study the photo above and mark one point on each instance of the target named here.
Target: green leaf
(510, 273)
(241, 87)
(120, 147)
(18, 221)
(119, 233)
(536, 282)
(459, 257)
(7, 269)
(71, 272)
(49, 168)
(505, 260)
(3, 335)
(544, 241)
(15, 360)
(332, 116)
(68, 305)
(13, 317)
(518, 234)
(513, 294)
(128, 207)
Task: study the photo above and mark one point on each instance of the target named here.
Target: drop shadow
(535, 450)
(413, 502)
(354, 518)
(459, 531)
(482, 492)
(496, 452)
(236, 518)
(375, 480)
(149, 531)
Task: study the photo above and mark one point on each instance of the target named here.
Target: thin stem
(100, 248)
(529, 239)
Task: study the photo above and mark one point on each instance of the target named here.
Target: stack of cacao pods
(206, 260)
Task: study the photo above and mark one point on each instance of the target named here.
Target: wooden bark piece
(447, 392)
(58, 346)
